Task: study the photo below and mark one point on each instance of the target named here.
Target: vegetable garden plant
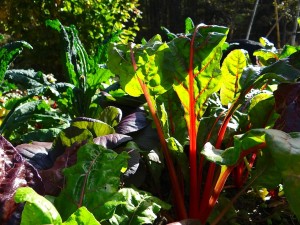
(160, 107)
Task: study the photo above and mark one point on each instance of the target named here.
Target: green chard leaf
(152, 61)
(81, 216)
(92, 181)
(232, 69)
(205, 67)
(262, 111)
(138, 207)
(37, 210)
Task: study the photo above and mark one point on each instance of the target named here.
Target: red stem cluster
(200, 204)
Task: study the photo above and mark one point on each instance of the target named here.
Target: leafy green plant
(38, 210)
(189, 65)
(49, 105)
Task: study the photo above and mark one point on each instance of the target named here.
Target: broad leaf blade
(8, 53)
(92, 181)
(132, 123)
(152, 62)
(112, 141)
(262, 111)
(189, 25)
(232, 69)
(96, 127)
(81, 216)
(205, 67)
(140, 208)
(111, 115)
(38, 210)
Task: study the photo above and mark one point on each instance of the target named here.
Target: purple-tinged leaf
(111, 141)
(147, 138)
(136, 171)
(15, 172)
(132, 123)
(287, 104)
(53, 177)
(36, 153)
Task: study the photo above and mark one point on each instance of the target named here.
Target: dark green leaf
(8, 53)
(139, 208)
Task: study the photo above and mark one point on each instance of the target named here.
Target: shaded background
(98, 19)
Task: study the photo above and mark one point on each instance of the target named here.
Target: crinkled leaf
(36, 83)
(75, 57)
(15, 172)
(80, 217)
(27, 78)
(170, 113)
(8, 53)
(131, 123)
(18, 116)
(92, 181)
(37, 210)
(112, 141)
(102, 75)
(266, 57)
(119, 62)
(139, 208)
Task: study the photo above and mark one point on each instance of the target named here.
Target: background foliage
(234, 14)
(96, 20)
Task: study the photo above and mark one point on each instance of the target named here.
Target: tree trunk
(294, 32)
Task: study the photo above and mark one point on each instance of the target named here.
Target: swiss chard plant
(194, 101)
